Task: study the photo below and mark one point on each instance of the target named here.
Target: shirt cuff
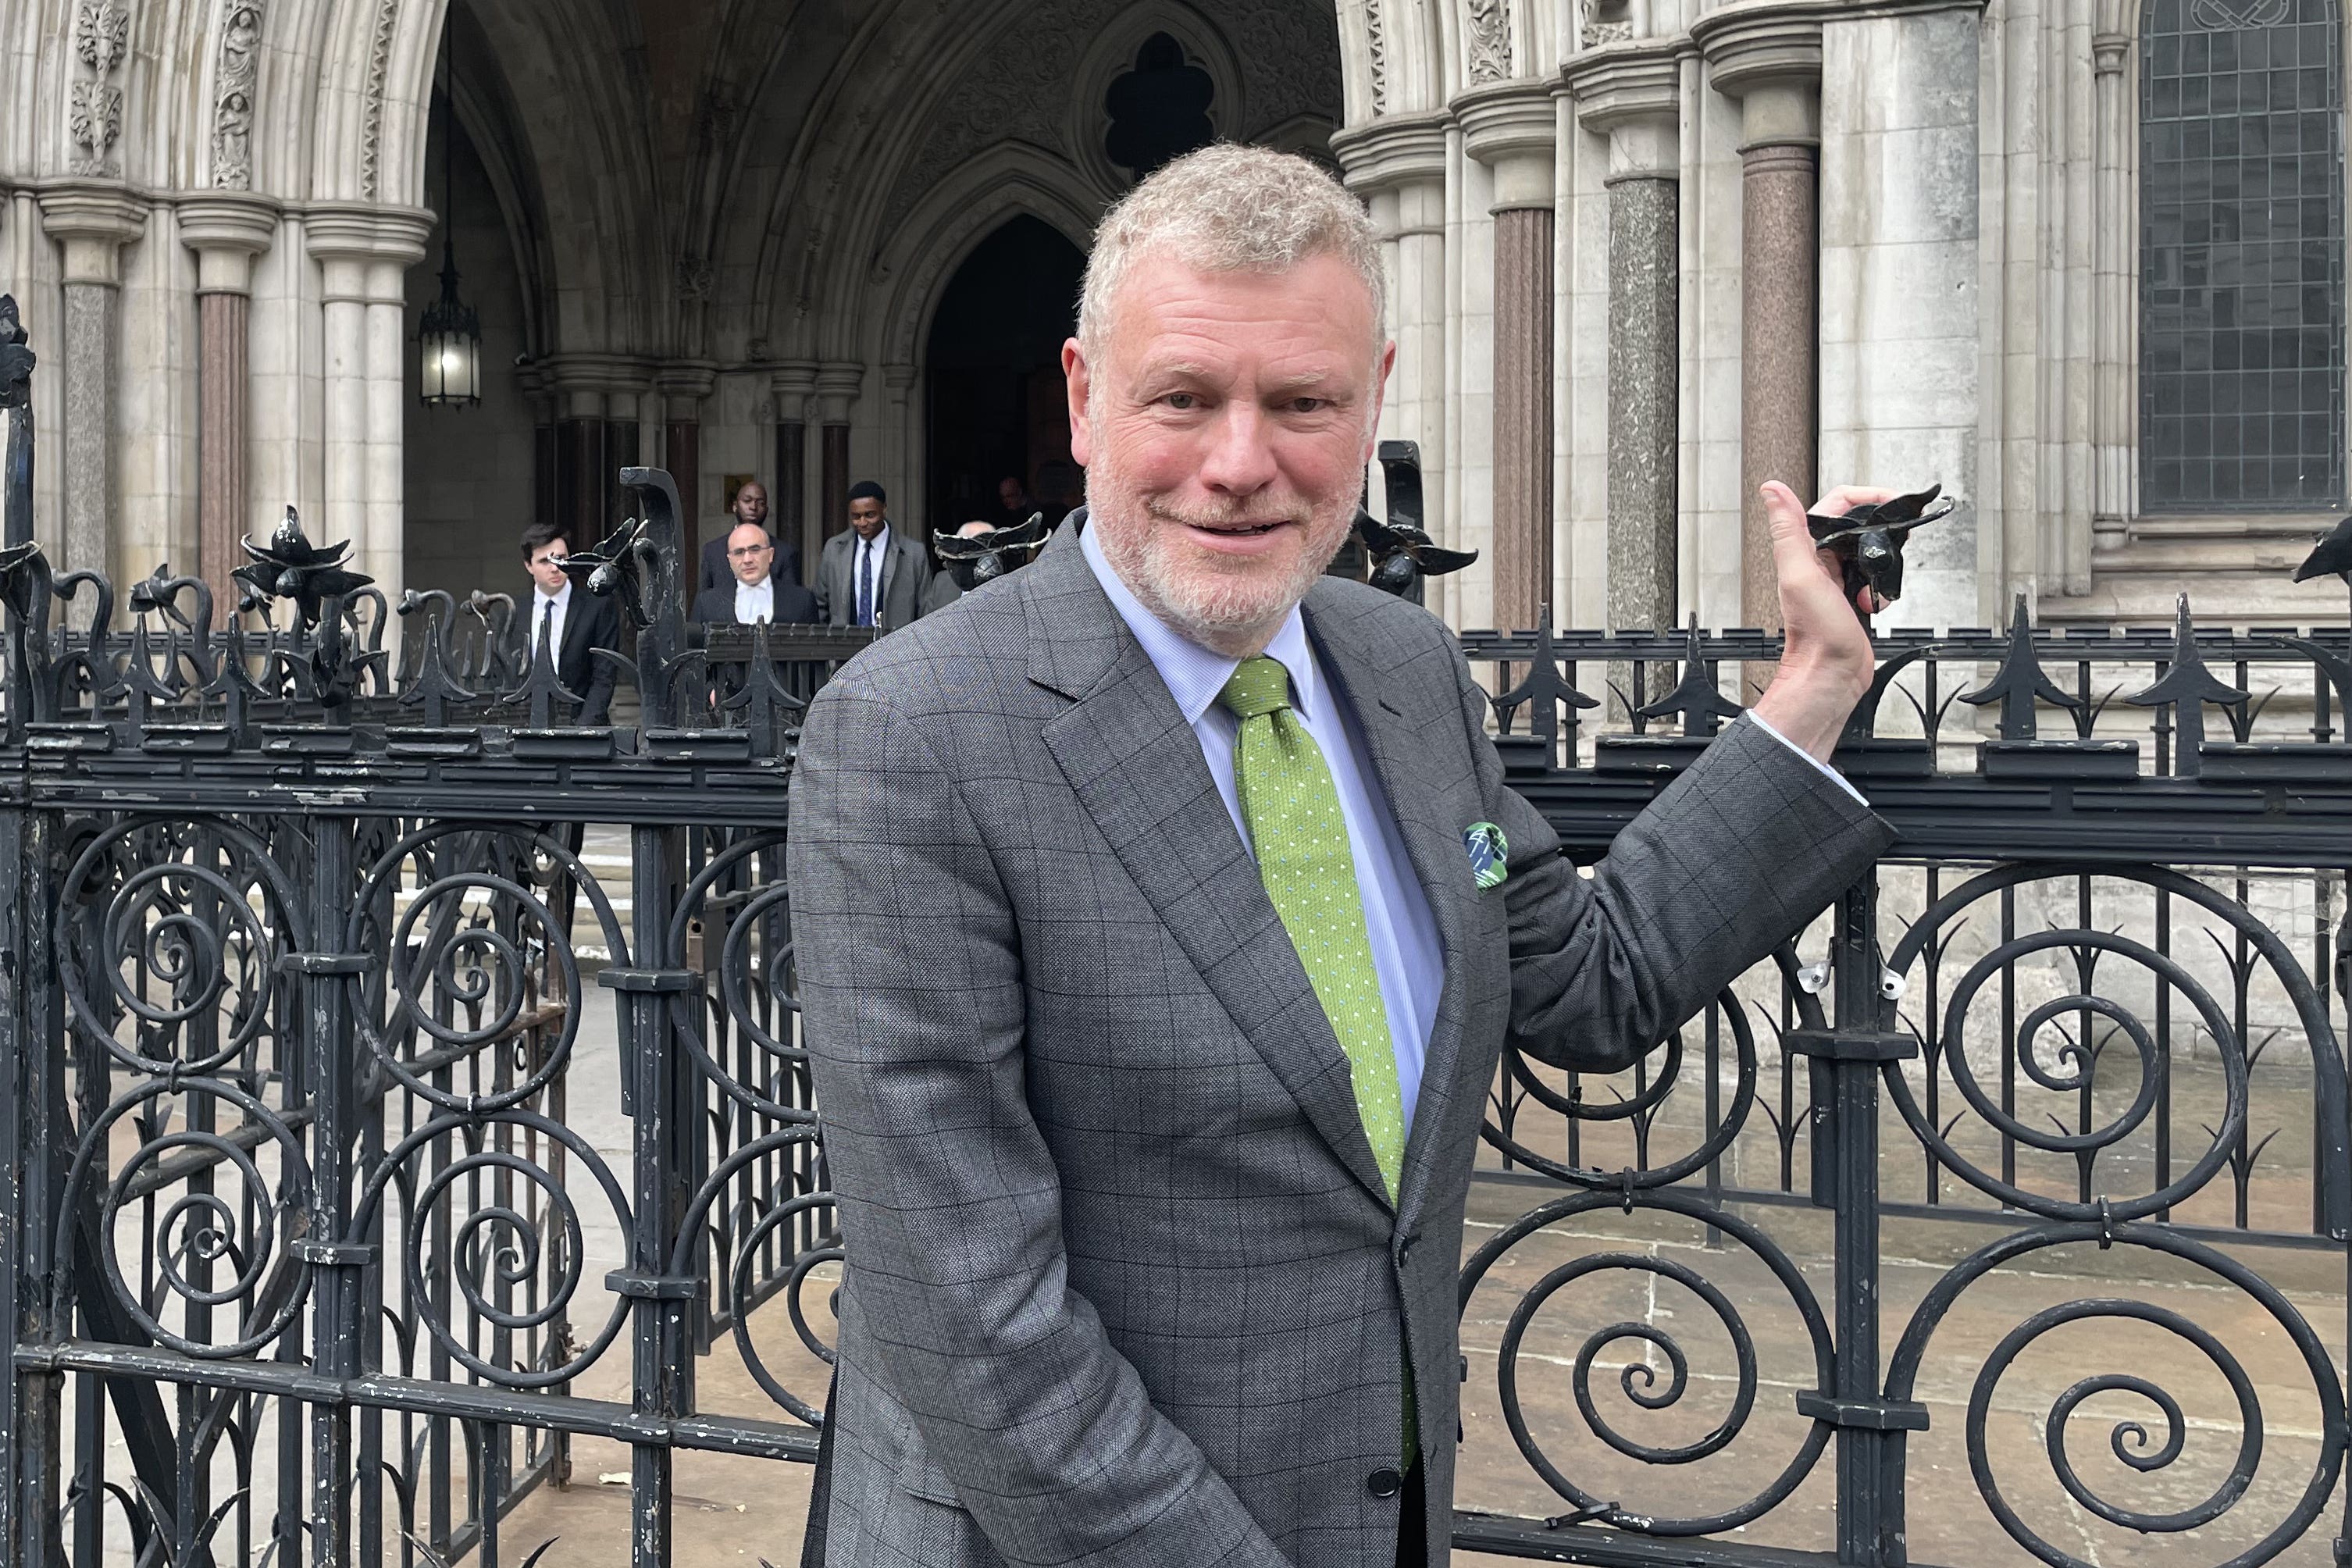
(1828, 772)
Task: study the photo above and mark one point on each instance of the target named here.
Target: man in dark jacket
(756, 588)
(750, 505)
(570, 623)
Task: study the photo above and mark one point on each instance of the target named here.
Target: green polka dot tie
(1292, 810)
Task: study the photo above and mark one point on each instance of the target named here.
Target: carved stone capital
(227, 232)
(595, 385)
(1768, 54)
(2107, 52)
(793, 383)
(93, 220)
(1631, 93)
(1390, 153)
(685, 383)
(1512, 128)
(364, 247)
(838, 383)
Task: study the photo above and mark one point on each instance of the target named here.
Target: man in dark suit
(756, 588)
(873, 575)
(751, 505)
(1162, 917)
(569, 622)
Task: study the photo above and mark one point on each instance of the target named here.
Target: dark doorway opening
(996, 405)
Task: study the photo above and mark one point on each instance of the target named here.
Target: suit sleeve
(1732, 858)
(912, 992)
(596, 701)
(823, 601)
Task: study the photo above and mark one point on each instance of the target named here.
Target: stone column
(1398, 165)
(226, 231)
(794, 384)
(1772, 62)
(682, 386)
(363, 252)
(909, 491)
(93, 221)
(2114, 239)
(838, 386)
(1632, 97)
(1514, 129)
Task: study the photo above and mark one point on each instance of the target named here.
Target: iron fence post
(334, 1088)
(39, 1068)
(1849, 1058)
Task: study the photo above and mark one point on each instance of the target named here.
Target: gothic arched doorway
(996, 409)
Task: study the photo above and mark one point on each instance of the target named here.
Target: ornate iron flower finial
(612, 567)
(1868, 540)
(1402, 554)
(291, 567)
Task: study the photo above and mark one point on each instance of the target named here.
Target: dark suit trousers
(1413, 1524)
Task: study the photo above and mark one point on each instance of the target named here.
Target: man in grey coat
(874, 574)
(1160, 914)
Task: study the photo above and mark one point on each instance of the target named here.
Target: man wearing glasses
(757, 589)
(750, 505)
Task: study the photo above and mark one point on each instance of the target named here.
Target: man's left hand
(1826, 662)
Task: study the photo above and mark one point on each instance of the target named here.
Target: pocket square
(1490, 854)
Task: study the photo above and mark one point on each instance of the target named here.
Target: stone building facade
(2082, 261)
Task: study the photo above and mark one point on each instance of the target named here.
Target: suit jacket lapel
(1433, 843)
(1137, 769)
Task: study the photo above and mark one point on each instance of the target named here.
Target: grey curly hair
(1228, 208)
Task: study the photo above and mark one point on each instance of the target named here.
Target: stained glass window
(2241, 256)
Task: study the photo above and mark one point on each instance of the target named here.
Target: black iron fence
(373, 1132)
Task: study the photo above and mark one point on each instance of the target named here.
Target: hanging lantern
(449, 344)
(449, 337)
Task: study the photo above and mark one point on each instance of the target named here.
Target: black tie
(546, 626)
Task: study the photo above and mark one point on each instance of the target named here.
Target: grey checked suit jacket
(1123, 1285)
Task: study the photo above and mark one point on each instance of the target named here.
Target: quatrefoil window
(1160, 110)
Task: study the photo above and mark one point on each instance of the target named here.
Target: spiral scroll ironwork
(765, 917)
(1637, 1380)
(198, 1228)
(497, 1243)
(2129, 1440)
(182, 930)
(741, 1287)
(449, 952)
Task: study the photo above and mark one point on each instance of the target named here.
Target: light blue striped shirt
(1406, 955)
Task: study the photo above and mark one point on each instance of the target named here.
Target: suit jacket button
(1385, 1483)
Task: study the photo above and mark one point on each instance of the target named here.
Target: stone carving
(387, 11)
(1605, 22)
(693, 277)
(96, 119)
(1490, 41)
(94, 104)
(1376, 49)
(102, 29)
(1017, 89)
(240, 59)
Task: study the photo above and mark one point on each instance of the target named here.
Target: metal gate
(303, 945)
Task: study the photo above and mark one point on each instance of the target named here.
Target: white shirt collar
(879, 542)
(561, 599)
(1195, 674)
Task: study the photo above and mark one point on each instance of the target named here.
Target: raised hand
(1826, 660)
